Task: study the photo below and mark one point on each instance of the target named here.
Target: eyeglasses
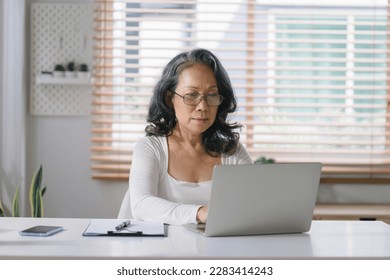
(194, 99)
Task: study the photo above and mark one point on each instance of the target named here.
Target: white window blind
(311, 81)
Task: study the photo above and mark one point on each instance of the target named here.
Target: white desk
(326, 239)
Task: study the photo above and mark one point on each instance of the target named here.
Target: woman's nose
(203, 106)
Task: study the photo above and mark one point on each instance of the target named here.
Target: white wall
(62, 146)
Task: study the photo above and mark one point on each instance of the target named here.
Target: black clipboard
(124, 233)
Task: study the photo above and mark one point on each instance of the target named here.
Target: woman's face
(195, 119)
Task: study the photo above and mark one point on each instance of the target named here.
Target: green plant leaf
(41, 214)
(37, 203)
(38, 213)
(1, 210)
(15, 202)
(43, 191)
(35, 191)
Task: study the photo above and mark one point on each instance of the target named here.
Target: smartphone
(41, 230)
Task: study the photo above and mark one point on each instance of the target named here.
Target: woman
(172, 167)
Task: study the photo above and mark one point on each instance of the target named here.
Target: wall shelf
(60, 33)
(50, 80)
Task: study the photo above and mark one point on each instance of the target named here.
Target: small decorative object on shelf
(59, 70)
(46, 73)
(70, 74)
(83, 71)
(70, 69)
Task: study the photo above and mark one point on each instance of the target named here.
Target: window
(311, 81)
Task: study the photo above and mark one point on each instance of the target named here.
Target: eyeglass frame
(200, 99)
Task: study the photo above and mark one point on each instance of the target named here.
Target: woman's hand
(201, 216)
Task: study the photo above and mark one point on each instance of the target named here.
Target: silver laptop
(261, 199)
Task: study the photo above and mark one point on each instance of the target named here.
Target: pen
(123, 225)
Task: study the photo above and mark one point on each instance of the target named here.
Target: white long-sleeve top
(157, 196)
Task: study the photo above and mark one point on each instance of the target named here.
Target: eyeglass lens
(195, 99)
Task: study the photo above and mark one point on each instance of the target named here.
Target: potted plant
(36, 194)
(83, 71)
(59, 70)
(264, 160)
(70, 69)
